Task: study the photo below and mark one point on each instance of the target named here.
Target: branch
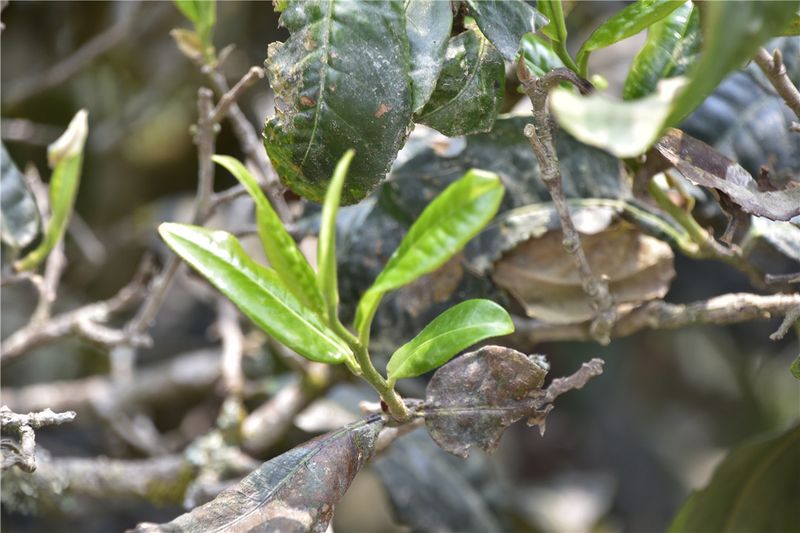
(25, 455)
(84, 321)
(775, 70)
(205, 139)
(540, 134)
(191, 375)
(251, 143)
(160, 480)
(721, 310)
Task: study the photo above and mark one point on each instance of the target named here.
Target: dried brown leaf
(704, 166)
(542, 276)
(296, 491)
(474, 398)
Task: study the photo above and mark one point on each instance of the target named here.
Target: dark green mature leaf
(756, 488)
(19, 216)
(65, 156)
(281, 250)
(473, 399)
(470, 89)
(442, 230)
(428, 26)
(341, 81)
(326, 243)
(454, 330)
(504, 22)
(539, 56)
(672, 44)
(256, 290)
(629, 21)
(752, 22)
(296, 491)
(704, 166)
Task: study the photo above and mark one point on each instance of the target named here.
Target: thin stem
(540, 134)
(775, 70)
(397, 406)
(561, 30)
(708, 247)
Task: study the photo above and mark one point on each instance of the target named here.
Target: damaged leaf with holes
(473, 399)
(340, 82)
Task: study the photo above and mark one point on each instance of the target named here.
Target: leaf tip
(72, 141)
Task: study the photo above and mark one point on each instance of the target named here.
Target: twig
(575, 381)
(232, 347)
(540, 134)
(82, 321)
(161, 480)
(775, 70)
(230, 97)
(783, 278)
(25, 455)
(791, 317)
(205, 140)
(721, 310)
(251, 145)
(268, 423)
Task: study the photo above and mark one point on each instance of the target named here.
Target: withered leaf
(542, 277)
(296, 491)
(473, 399)
(705, 166)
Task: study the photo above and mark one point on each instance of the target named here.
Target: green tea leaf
(470, 89)
(19, 216)
(552, 10)
(256, 290)
(754, 489)
(282, 252)
(504, 22)
(444, 227)
(203, 14)
(629, 21)
(454, 330)
(795, 368)
(341, 81)
(539, 57)
(326, 243)
(65, 156)
(626, 129)
(671, 44)
(428, 26)
(752, 22)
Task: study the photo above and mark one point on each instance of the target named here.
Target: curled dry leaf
(473, 399)
(704, 166)
(296, 491)
(533, 266)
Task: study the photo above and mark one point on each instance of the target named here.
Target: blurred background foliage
(620, 455)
